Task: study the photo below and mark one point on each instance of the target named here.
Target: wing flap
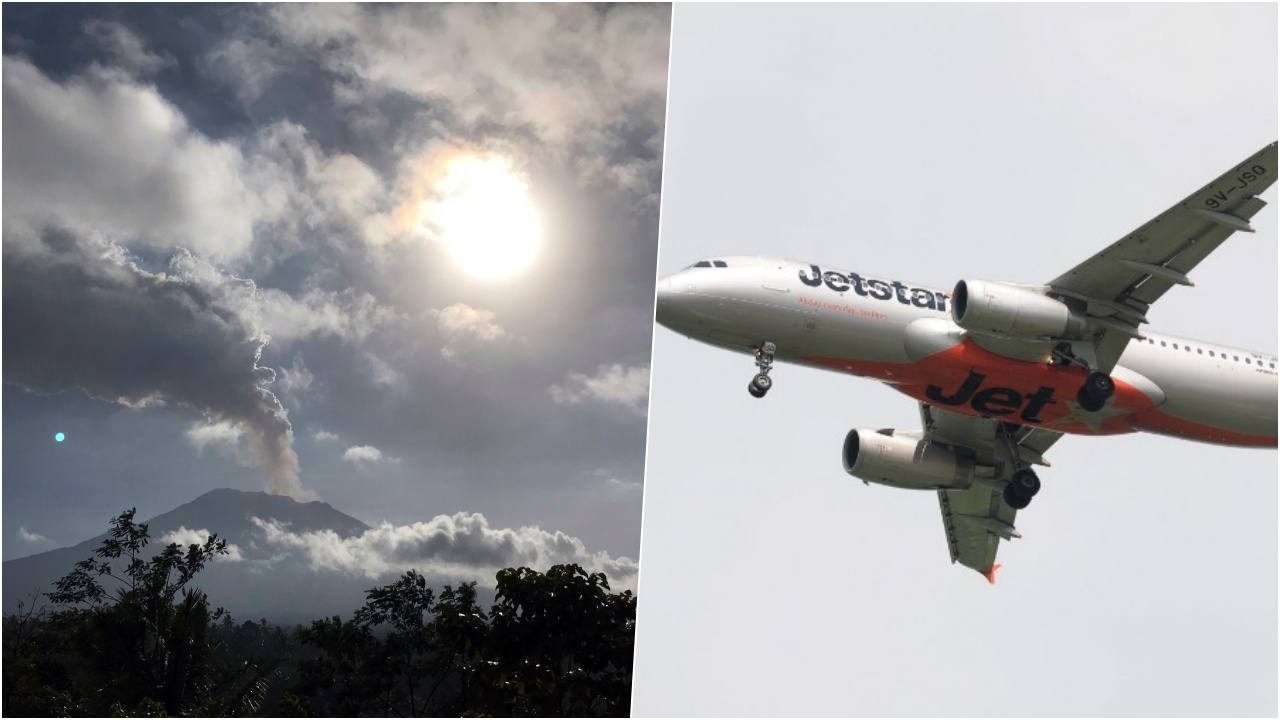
(975, 520)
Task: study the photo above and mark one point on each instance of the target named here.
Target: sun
(485, 217)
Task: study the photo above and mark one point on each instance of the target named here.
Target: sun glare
(485, 217)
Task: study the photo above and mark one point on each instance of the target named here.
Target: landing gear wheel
(1013, 499)
(1100, 385)
(1021, 488)
(1098, 389)
(1025, 483)
(761, 383)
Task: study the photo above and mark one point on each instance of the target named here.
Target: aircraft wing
(977, 519)
(1120, 283)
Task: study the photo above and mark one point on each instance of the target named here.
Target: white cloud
(325, 436)
(31, 537)
(104, 152)
(383, 373)
(185, 537)
(295, 379)
(223, 435)
(246, 66)
(465, 328)
(507, 64)
(461, 546)
(313, 189)
(459, 319)
(615, 384)
(362, 453)
(347, 315)
(101, 150)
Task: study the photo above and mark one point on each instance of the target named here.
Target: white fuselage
(903, 335)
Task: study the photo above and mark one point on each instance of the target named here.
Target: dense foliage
(128, 636)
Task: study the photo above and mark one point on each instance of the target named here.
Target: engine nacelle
(904, 460)
(988, 307)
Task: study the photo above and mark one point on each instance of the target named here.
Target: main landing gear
(1021, 488)
(1098, 386)
(761, 383)
(1098, 389)
(1025, 483)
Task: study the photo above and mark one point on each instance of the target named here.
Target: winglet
(990, 574)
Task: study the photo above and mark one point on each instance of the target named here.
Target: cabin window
(1188, 347)
(1211, 354)
(1199, 351)
(1236, 358)
(1247, 361)
(1175, 346)
(1163, 344)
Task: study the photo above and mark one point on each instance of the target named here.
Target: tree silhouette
(130, 636)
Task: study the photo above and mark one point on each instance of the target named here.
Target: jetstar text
(873, 288)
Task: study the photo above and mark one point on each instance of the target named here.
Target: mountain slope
(279, 587)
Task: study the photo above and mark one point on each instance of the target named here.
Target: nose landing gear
(761, 383)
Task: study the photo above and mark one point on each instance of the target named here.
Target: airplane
(1001, 371)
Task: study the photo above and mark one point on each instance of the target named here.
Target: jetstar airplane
(1001, 371)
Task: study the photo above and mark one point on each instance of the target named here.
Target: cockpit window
(720, 263)
(702, 263)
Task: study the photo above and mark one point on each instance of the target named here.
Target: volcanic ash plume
(78, 314)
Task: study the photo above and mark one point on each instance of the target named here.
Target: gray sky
(183, 181)
(934, 143)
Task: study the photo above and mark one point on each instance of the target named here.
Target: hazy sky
(182, 182)
(933, 143)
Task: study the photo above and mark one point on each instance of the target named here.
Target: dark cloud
(78, 315)
(125, 49)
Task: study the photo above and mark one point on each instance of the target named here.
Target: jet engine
(989, 307)
(904, 460)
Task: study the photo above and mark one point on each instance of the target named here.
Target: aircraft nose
(664, 299)
(676, 303)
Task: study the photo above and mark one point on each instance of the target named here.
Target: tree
(129, 637)
(560, 644)
(403, 607)
(458, 632)
(349, 677)
(139, 639)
